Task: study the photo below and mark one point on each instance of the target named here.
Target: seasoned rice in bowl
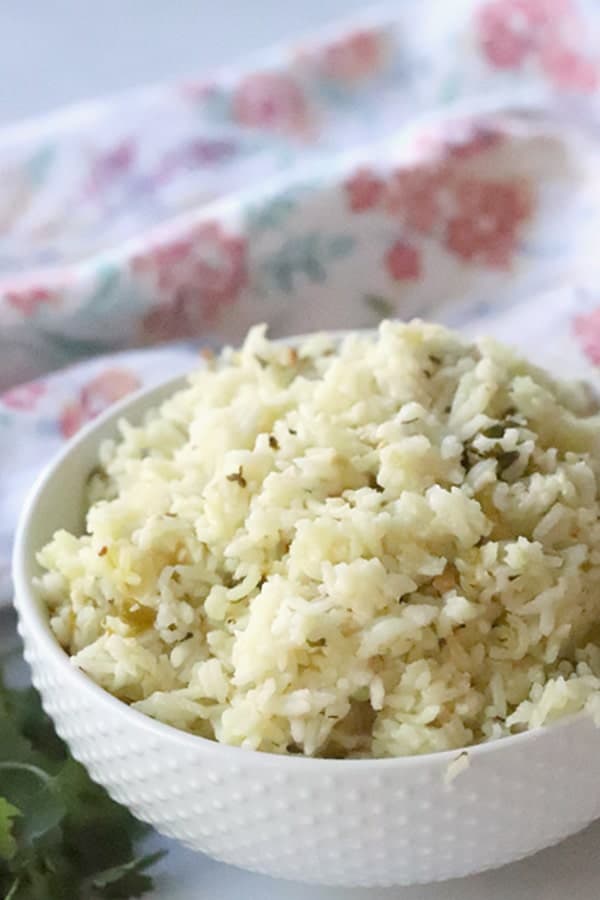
(381, 547)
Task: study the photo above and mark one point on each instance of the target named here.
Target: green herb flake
(465, 460)
(494, 431)
(97, 472)
(506, 459)
(374, 484)
(238, 477)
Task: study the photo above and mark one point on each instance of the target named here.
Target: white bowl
(346, 822)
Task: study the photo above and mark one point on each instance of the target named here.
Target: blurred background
(57, 52)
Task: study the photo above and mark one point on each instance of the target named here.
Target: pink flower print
(415, 195)
(445, 147)
(513, 31)
(196, 277)
(505, 34)
(272, 101)
(485, 225)
(403, 262)
(28, 300)
(194, 154)
(104, 390)
(478, 141)
(111, 165)
(364, 190)
(71, 419)
(587, 329)
(24, 397)
(568, 70)
(354, 58)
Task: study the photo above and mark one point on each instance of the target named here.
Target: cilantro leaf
(102, 840)
(61, 836)
(8, 844)
(34, 793)
(127, 880)
(33, 723)
(14, 745)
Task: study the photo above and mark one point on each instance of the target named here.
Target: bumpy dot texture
(330, 822)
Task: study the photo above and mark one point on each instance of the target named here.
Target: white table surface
(57, 52)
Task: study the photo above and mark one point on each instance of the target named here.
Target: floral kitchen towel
(117, 217)
(435, 159)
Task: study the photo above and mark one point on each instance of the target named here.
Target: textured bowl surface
(362, 822)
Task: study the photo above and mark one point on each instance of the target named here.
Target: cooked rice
(388, 546)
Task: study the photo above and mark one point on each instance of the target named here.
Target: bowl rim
(31, 614)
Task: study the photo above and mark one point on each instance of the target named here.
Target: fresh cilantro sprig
(61, 836)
